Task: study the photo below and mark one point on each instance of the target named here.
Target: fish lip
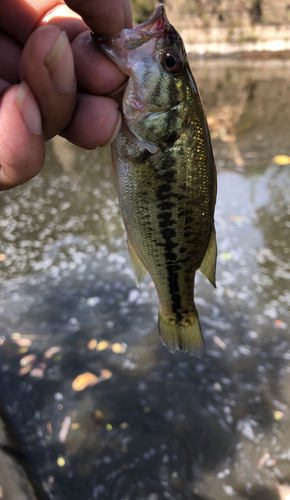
(158, 20)
(159, 15)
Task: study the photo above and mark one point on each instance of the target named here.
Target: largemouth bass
(164, 174)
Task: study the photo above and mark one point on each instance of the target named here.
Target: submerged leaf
(83, 381)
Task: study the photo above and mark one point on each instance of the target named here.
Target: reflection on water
(162, 426)
(223, 123)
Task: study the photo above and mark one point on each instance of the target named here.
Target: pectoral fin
(138, 267)
(208, 264)
(114, 169)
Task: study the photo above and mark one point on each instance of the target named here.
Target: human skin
(54, 80)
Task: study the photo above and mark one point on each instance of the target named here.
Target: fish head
(156, 96)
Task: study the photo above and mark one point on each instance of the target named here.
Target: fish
(164, 173)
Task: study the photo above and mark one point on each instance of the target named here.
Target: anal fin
(139, 270)
(208, 264)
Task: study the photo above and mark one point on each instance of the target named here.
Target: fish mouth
(120, 47)
(143, 33)
(157, 24)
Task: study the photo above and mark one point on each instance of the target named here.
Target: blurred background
(92, 405)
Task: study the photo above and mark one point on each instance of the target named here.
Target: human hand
(64, 78)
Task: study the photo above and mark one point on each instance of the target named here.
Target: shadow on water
(156, 426)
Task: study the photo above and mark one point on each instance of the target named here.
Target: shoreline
(260, 42)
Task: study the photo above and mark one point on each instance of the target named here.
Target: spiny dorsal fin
(208, 264)
(138, 267)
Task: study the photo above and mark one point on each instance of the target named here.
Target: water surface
(157, 426)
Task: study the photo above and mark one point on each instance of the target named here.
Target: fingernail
(28, 108)
(60, 65)
(116, 131)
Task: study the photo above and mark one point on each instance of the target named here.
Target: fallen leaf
(105, 375)
(102, 345)
(98, 417)
(118, 348)
(15, 335)
(22, 350)
(281, 159)
(280, 324)
(219, 342)
(75, 426)
(37, 372)
(24, 370)
(64, 429)
(92, 301)
(124, 425)
(60, 461)
(92, 344)
(84, 380)
(237, 218)
(264, 459)
(30, 358)
(218, 386)
(278, 415)
(22, 342)
(98, 414)
(226, 256)
(52, 351)
(48, 427)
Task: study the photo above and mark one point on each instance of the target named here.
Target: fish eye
(172, 61)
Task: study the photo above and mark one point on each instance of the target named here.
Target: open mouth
(158, 21)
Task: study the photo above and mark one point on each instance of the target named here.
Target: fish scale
(165, 174)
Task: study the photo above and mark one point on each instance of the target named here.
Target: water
(156, 426)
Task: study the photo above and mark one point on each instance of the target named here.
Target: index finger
(19, 18)
(105, 17)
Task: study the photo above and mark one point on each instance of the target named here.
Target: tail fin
(184, 335)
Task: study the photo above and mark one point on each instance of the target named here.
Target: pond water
(154, 426)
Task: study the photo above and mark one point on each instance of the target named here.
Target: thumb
(104, 18)
(22, 145)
